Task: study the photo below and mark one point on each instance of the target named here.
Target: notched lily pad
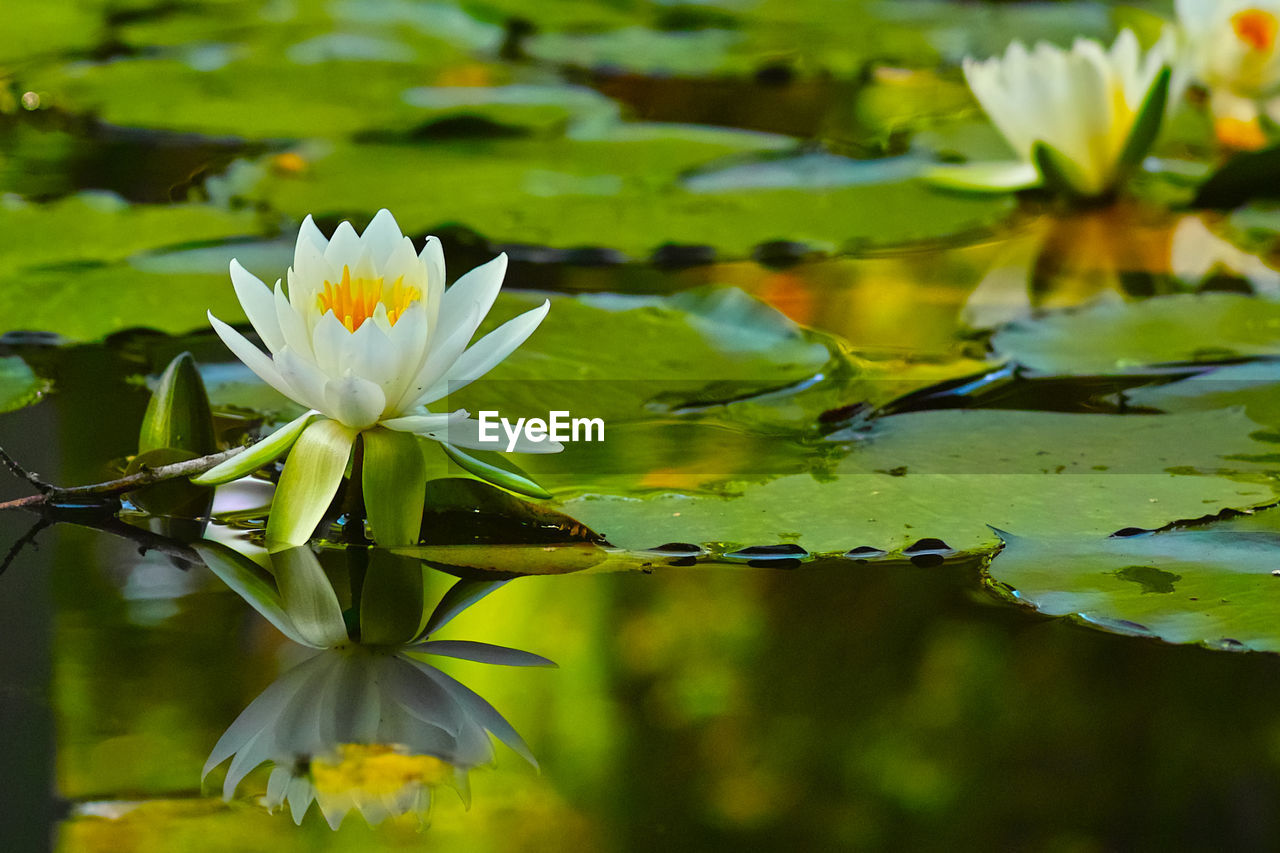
(1215, 585)
(1033, 471)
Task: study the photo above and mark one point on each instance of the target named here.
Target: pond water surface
(922, 521)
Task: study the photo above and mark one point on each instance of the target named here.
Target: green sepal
(308, 483)
(178, 416)
(308, 598)
(1146, 126)
(249, 581)
(257, 455)
(1058, 173)
(494, 467)
(995, 176)
(391, 610)
(395, 482)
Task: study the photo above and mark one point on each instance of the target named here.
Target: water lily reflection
(368, 723)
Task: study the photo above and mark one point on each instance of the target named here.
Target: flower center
(353, 301)
(375, 770)
(1256, 28)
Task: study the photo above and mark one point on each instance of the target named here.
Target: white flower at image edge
(1231, 48)
(366, 337)
(1078, 119)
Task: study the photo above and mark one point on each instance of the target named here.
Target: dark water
(830, 705)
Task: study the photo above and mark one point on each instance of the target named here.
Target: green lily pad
(19, 386)
(89, 302)
(1254, 386)
(99, 227)
(1115, 336)
(1213, 585)
(624, 191)
(950, 474)
(625, 359)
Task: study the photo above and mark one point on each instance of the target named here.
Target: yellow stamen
(353, 301)
(1256, 28)
(375, 770)
(1239, 134)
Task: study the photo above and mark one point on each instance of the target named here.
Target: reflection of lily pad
(1112, 336)
(1038, 472)
(1212, 585)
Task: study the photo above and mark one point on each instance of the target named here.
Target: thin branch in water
(97, 494)
(28, 538)
(23, 474)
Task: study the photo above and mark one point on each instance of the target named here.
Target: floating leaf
(948, 474)
(619, 192)
(19, 386)
(1114, 336)
(1214, 585)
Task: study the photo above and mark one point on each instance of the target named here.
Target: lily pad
(1214, 585)
(949, 474)
(89, 302)
(19, 386)
(1254, 386)
(625, 191)
(100, 227)
(625, 359)
(1115, 336)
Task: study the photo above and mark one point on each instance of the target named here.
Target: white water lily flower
(365, 724)
(367, 337)
(1231, 47)
(1079, 119)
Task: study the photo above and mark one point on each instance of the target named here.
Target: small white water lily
(365, 724)
(1079, 119)
(1231, 47)
(367, 337)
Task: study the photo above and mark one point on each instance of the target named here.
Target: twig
(97, 493)
(22, 473)
(28, 538)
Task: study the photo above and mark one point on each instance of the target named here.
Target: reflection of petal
(1197, 253)
(481, 653)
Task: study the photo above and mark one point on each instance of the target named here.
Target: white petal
(329, 343)
(306, 278)
(486, 353)
(382, 236)
(344, 247)
(479, 288)
(444, 349)
(293, 326)
(432, 258)
(372, 357)
(309, 235)
(258, 303)
(354, 402)
(303, 376)
(253, 358)
(422, 424)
